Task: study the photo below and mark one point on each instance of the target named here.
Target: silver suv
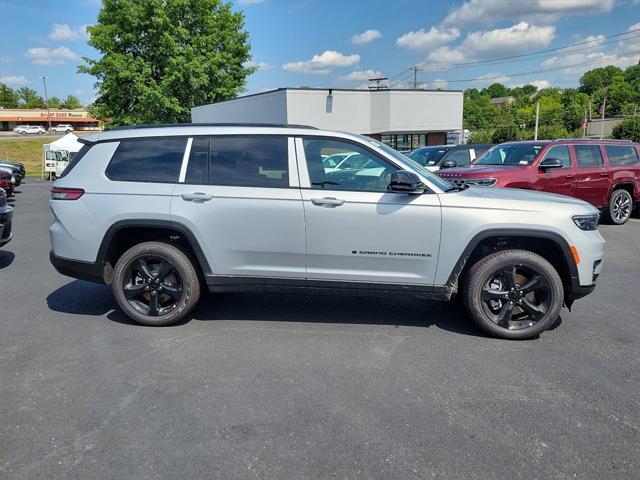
(162, 212)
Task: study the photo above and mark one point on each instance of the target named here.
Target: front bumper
(6, 217)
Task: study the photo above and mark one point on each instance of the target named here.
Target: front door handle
(196, 197)
(329, 202)
(604, 174)
(569, 175)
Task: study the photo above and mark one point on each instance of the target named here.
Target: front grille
(3, 200)
(7, 230)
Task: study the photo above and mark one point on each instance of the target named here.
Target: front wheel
(156, 284)
(620, 207)
(513, 294)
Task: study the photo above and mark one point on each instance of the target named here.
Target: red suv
(605, 173)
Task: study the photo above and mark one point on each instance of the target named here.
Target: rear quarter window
(620, 155)
(147, 160)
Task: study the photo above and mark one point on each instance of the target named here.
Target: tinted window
(588, 156)
(250, 161)
(147, 160)
(510, 154)
(428, 156)
(461, 157)
(198, 167)
(561, 152)
(363, 170)
(620, 155)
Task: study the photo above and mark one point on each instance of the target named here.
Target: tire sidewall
(190, 282)
(614, 197)
(487, 268)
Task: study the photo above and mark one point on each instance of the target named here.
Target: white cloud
(500, 42)
(440, 83)
(50, 56)
(258, 65)
(423, 40)
(63, 32)
(539, 84)
(14, 80)
(360, 75)
(630, 43)
(366, 37)
(489, 78)
(323, 63)
(493, 11)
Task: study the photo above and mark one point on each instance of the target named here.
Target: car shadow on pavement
(6, 258)
(85, 298)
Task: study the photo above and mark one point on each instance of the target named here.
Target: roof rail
(592, 140)
(168, 125)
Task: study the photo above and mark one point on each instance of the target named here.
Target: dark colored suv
(6, 213)
(605, 173)
(447, 156)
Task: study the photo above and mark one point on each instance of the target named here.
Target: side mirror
(449, 164)
(403, 181)
(548, 163)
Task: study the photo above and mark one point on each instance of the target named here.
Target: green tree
(632, 76)
(598, 78)
(481, 136)
(620, 95)
(628, 129)
(162, 57)
(575, 105)
(496, 90)
(552, 132)
(505, 134)
(8, 97)
(71, 102)
(29, 98)
(54, 102)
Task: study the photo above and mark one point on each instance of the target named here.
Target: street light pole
(46, 99)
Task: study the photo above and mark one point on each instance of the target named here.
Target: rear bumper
(89, 271)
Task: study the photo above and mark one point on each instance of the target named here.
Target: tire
(620, 207)
(155, 270)
(490, 298)
(23, 133)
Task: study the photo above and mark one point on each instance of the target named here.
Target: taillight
(58, 193)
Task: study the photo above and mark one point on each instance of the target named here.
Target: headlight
(586, 222)
(482, 182)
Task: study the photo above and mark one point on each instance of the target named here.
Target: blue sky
(332, 43)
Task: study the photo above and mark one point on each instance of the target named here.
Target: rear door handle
(569, 176)
(604, 174)
(196, 197)
(329, 202)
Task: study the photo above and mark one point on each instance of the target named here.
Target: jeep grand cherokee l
(605, 173)
(159, 212)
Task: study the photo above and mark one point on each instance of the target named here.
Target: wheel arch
(550, 245)
(124, 234)
(627, 185)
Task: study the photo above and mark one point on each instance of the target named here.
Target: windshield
(429, 155)
(512, 155)
(412, 164)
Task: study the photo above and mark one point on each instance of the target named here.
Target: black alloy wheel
(516, 297)
(152, 285)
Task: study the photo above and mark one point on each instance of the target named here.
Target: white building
(404, 119)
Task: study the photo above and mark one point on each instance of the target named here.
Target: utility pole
(584, 125)
(46, 99)
(604, 107)
(415, 69)
(535, 135)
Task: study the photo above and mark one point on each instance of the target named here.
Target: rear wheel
(514, 294)
(620, 207)
(155, 283)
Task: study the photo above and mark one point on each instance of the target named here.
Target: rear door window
(588, 156)
(461, 157)
(621, 155)
(250, 161)
(154, 159)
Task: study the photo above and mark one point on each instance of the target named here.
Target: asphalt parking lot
(309, 386)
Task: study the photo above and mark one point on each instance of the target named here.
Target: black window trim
(631, 146)
(571, 159)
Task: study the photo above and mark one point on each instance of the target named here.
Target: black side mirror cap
(449, 164)
(550, 163)
(403, 181)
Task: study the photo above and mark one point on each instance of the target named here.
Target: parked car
(62, 128)
(6, 215)
(7, 181)
(158, 212)
(605, 173)
(15, 172)
(18, 165)
(30, 129)
(448, 156)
